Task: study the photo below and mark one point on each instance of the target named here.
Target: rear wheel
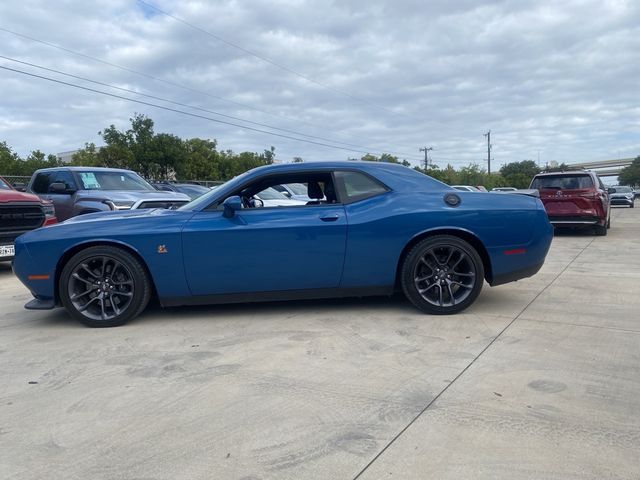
(601, 230)
(442, 275)
(104, 286)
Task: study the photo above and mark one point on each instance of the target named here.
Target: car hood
(15, 196)
(132, 195)
(118, 214)
(621, 195)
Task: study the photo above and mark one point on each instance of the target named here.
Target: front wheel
(442, 275)
(601, 230)
(631, 206)
(104, 286)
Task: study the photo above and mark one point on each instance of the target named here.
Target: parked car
(19, 213)
(271, 197)
(465, 188)
(192, 190)
(504, 189)
(294, 191)
(81, 190)
(575, 199)
(369, 228)
(621, 195)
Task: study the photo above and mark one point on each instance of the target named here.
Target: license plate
(7, 250)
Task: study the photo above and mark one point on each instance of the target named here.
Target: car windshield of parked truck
(622, 189)
(97, 180)
(562, 182)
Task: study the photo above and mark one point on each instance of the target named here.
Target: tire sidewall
(407, 273)
(141, 287)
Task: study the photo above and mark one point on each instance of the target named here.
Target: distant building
(66, 157)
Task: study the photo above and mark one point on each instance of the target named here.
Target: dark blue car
(369, 229)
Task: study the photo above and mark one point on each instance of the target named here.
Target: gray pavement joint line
(569, 324)
(406, 427)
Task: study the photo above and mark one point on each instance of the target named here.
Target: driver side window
(303, 189)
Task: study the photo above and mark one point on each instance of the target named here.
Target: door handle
(330, 218)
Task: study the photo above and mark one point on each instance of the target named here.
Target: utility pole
(426, 156)
(488, 135)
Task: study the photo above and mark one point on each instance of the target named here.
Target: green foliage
(519, 174)
(630, 175)
(12, 164)
(472, 175)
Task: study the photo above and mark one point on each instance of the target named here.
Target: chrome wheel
(445, 275)
(101, 288)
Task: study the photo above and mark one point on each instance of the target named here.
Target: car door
(265, 249)
(63, 201)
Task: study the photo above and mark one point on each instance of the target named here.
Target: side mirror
(286, 194)
(611, 190)
(231, 205)
(59, 187)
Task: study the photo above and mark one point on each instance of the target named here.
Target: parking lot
(538, 379)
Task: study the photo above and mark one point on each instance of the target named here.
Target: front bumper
(622, 201)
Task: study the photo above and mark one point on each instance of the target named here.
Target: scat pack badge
(162, 249)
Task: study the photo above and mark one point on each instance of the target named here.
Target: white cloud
(555, 77)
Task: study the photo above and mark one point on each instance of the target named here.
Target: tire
(601, 230)
(454, 262)
(114, 281)
(631, 206)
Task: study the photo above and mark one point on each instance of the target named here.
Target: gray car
(79, 190)
(622, 196)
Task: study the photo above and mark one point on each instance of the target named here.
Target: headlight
(49, 210)
(119, 205)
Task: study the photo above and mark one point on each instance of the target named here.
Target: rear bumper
(575, 220)
(516, 274)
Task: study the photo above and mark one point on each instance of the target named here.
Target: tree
(630, 175)
(86, 157)
(297, 160)
(519, 174)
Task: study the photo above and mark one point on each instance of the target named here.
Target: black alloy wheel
(442, 275)
(104, 286)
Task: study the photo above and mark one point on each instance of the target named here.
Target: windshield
(622, 189)
(4, 185)
(194, 191)
(106, 180)
(562, 182)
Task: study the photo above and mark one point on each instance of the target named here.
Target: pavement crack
(434, 399)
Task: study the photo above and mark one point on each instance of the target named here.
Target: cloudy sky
(554, 79)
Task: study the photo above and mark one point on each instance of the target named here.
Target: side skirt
(276, 296)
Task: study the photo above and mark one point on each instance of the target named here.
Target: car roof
(76, 169)
(565, 172)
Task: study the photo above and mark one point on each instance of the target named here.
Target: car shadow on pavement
(5, 269)
(396, 303)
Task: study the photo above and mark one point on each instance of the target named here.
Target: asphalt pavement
(539, 379)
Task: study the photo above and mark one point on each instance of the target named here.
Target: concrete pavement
(539, 379)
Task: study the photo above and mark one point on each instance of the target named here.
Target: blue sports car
(368, 229)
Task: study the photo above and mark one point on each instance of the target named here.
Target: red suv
(19, 213)
(574, 199)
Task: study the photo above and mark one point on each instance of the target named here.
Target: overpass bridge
(605, 168)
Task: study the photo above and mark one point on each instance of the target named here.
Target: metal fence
(17, 179)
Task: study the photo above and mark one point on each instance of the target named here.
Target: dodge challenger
(368, 229)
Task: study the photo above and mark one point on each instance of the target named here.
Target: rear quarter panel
(381, 227)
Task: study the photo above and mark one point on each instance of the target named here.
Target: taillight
(590, 195)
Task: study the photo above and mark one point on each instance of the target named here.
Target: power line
(167, 82)
(154, 97)
(271, 62)
(162, 107)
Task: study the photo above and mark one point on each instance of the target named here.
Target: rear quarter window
(354, 186)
